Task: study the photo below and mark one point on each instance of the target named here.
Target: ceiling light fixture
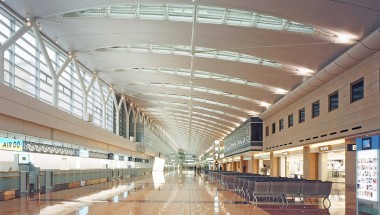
(345, 38)
(304, 71)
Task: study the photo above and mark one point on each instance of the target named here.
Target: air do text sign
(11, 144)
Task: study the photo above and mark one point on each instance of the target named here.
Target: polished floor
(163, 193)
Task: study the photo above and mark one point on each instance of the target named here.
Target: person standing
(265, 170)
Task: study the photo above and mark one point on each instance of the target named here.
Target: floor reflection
(182, 192)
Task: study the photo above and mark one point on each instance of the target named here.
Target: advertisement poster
(367, 170)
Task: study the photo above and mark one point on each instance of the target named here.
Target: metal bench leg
(328, 201)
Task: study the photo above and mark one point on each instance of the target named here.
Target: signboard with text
(246, 136)
(11, 144)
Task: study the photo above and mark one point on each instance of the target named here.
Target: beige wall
(23, 114)
(364, 113)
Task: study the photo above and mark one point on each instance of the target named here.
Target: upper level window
(273, 128)
(281, 124)
(301, 115)
(315, 107)
(333, 101)
(357, 90)
(267, 131)
(290, 120)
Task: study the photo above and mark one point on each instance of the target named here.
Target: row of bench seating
(255, 186)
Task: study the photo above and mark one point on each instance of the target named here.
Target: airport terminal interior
(189, 107)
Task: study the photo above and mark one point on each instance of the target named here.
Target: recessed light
(345, 38)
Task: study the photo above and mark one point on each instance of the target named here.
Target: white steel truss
(57, 67)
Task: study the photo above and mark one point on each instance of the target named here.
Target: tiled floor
(172, 193)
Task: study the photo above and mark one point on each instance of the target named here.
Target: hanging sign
(11, 144)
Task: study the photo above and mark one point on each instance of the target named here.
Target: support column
(274, 167)
(54, 86)
(350, 177)
(241, 164)
(310, 164)
(322, 166)
(1, 65)
(282, 166)
(255, 165)
(135, 125)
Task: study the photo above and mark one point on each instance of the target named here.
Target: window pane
(290, 120)
(302, 115)
(315, 107)
(357, 90)
(281, 124)
(333, 101)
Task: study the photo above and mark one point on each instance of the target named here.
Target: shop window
(301, 115)
(290, 120)
(333, 101)
(273, 128)
(357, 90)
(267, 131)
(315, 107)
(281, 125)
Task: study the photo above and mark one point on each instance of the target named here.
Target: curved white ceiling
(200, 80)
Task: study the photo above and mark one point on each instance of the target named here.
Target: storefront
(330, 159)
(294, 166)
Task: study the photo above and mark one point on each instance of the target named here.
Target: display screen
(367, 170)
(366, 143)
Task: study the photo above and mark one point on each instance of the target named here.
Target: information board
(367, 175)
(11, 144)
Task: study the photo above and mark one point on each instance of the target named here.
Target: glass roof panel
(209, 75)
(199, 52)
(205, 14)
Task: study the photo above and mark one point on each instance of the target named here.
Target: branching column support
(117, 109)
(104, 100)
(135, 118)
(54, 74)
(127, 114)
(85, 90)
(11, 40)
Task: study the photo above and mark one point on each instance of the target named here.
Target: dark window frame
(290, 122)
(281, 124)
(352, 90)
(301, 119)
(313, 110)
(330, 97)
(273, 128)
(267, 131)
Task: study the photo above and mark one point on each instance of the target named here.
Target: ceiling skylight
(200, 108)
(204, 14)
(252, 113)
(198, 52)
(165, 108)
(208, 75)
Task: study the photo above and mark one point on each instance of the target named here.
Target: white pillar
(126, 118)
(55, 85)
(104, 100)
(1, 65)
